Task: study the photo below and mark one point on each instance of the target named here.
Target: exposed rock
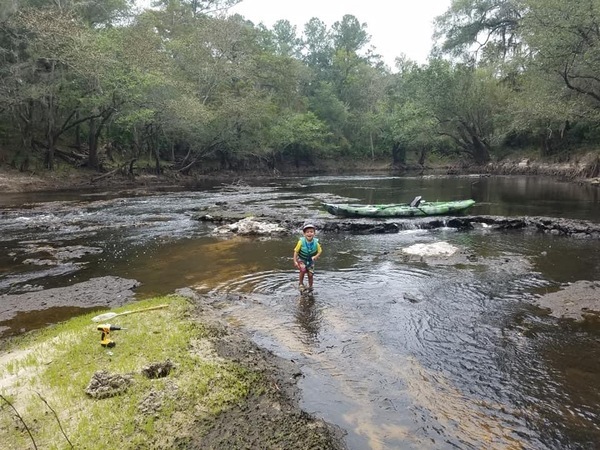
(250, 226)
(434, 249)
(577, 301)
(219, 217)
(107, 292)
(579, 229)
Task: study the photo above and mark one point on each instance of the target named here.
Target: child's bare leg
(301, 278)
(310, 279)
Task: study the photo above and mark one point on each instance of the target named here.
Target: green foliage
(298, 131)
(318, 44)
(468, 105)
(183, 82)
(329, 108)
(564, 39)
(487, 28)
(349, 35)
(286, 43)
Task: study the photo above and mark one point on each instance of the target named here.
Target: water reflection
(308, 317)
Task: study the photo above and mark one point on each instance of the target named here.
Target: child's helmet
(307, 226)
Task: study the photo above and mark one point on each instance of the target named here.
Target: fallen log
(112, 172)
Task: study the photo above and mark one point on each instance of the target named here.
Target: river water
(401, 352)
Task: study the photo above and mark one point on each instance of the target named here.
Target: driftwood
(112, 172)
(70, 156)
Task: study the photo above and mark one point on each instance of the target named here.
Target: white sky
(395, 26)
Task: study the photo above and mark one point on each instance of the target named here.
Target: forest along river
(400, 350)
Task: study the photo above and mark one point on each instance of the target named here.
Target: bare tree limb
(21, 419)
(57, 419)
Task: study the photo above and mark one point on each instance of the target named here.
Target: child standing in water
(306, 252)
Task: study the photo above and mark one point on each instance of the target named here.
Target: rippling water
(404, 355)
(400, 352)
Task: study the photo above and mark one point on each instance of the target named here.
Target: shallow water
(404, 355)
(399, 352)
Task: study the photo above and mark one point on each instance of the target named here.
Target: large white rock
(249, 226)
(434, 249)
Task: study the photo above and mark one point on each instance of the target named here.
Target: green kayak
(416, 208)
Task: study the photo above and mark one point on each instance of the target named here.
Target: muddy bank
(583, 169)
(103, 292)
(273, 419)
(268, 416)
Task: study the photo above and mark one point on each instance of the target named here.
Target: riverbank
(583, 168)
(177, 377)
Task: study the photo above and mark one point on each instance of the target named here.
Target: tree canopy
(185, 86)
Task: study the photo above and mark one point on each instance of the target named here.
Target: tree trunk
(398, 155)
(77, 133)
(157, 157)
(481, 154)
(25, 126)
(49, 159)
(136, 142)
(422, 156)
(50, 128)
(93, 144)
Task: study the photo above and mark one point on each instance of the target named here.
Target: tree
(318, 45)
(467, 104)
(297, 136)
(56, 44)
(349, 35)
(489, 27)
(564, 40)
(195, 7)
(286, 42)
(406, 124)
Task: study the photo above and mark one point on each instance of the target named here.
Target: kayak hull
(399, 209)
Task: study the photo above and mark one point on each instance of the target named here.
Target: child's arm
(319, 251)
(296, 250)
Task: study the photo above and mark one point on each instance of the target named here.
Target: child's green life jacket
(307, 249)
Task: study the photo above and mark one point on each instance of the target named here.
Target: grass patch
(43, 377)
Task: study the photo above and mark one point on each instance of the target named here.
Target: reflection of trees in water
(309, 318)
